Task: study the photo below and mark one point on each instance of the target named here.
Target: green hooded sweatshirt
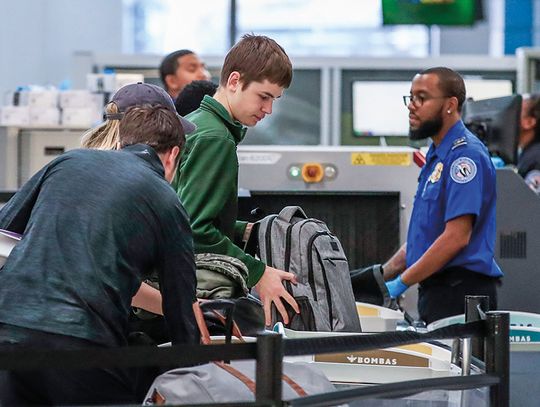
(207, 184)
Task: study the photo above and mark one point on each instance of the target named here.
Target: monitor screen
(496, 122)
(478, 88)
(431, 12)
(378, 109)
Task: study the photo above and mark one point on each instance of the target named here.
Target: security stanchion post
(269, 368)
(456, 351)
(474, 303)
(498, 356)
(466, 357)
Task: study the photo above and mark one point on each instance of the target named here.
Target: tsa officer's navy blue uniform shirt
(458, 179)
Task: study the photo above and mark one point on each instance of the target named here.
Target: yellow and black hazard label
(400, 159)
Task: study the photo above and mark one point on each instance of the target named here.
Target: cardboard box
(78, 117)
(14, 116)
(39, 98)
(44, 116)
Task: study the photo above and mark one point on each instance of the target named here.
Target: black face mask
(427, 129)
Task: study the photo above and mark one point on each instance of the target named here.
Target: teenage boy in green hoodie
(254, 74)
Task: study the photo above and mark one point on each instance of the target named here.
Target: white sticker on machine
(258, 158)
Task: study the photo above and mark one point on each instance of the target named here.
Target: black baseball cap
(137, 94)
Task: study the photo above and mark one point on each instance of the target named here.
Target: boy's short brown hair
(257, 58)
(155, 126)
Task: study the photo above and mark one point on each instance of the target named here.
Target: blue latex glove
(396, 287)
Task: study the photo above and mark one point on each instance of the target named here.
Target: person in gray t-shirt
(95, 224)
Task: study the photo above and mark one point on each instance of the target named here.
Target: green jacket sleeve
(239, 229)
(207, 185)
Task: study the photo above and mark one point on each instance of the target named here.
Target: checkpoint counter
(395, 364)
(424, 360)
(418, 361)
(407, 362)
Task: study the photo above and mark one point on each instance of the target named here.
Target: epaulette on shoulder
(462, 141)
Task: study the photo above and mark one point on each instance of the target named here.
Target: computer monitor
(496, 122)
(378, 109)
(480, 88)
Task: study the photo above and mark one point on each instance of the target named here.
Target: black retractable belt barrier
(309, 346)
(134, 356)
(183, 355)
(270, 349)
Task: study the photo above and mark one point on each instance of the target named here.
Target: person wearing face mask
(180, 68)
(451, 236)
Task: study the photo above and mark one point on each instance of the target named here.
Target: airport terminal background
(65, 40)
(350, 72)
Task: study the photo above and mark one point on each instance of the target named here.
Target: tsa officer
(451, 236)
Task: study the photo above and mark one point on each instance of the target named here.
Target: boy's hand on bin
(271, 290)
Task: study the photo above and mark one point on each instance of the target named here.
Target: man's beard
(427, 129)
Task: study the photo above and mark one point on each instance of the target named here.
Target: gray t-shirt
(95, 224)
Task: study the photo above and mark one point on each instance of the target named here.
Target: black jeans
(58, 386)
(443, 294)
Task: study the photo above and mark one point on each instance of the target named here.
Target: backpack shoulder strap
(290, 212)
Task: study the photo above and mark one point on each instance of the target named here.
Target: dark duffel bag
(368, 286)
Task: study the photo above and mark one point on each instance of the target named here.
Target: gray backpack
(231, 383)
(305, 247)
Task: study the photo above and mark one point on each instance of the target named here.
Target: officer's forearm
(396, 264)
(455, 237)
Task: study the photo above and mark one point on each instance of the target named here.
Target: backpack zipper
(328, 293)
(311, 277)
(325, 279)
(268, 241)
(287, 260)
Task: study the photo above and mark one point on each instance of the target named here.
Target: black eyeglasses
(418, 100)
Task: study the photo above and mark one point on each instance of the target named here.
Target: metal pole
(269, 368)
(466, 357)
(498, 356)
(232, 23)
(456, 351)
(472, 304)
(434, 41)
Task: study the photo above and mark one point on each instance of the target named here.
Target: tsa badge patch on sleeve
(463, 170)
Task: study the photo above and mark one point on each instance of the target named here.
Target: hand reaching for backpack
(271, 290)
